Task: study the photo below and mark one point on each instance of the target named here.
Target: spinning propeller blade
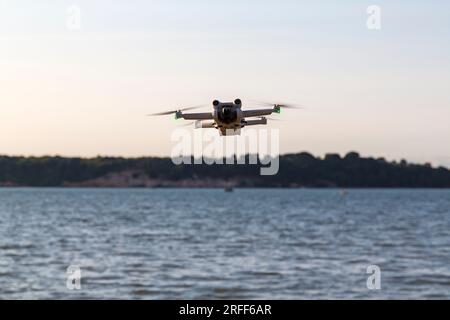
(280, 105)
(175, 111)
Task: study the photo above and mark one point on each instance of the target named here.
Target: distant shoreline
(296, 171)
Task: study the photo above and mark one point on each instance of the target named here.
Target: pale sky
(86, 92)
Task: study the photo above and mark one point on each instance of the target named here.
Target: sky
(84, 89)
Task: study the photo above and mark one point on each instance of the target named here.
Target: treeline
(295, 170)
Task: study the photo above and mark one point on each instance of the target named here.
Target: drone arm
(196, 116)
(258, 113)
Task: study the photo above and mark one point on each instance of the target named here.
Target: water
(205, 244)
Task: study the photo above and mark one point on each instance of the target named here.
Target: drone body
(228, 117)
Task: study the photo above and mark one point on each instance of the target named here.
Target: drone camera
(238, 102)
(216, 103)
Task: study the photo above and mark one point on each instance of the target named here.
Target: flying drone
(228, 117)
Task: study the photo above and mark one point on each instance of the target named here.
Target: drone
(228, 117)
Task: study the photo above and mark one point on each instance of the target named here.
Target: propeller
(280, 105)
(175, 111)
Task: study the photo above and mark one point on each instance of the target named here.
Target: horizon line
(341, 156)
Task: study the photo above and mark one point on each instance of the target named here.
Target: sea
(60, 243)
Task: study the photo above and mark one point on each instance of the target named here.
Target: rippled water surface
(250, 244)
